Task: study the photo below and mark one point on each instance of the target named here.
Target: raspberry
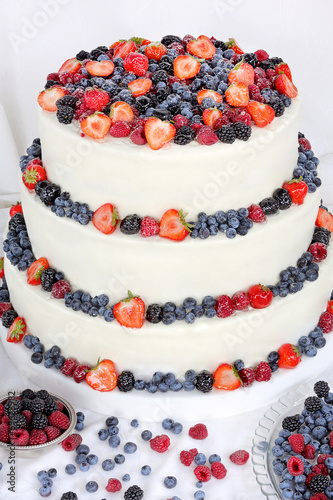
(59, 405)
(239, 457)
(321, 458)
(138, 136)
(320, 469)
(203, 473)
(254, 92)
(2, 410)
(37, 436)
(256, 213)
(240, 301)
(198, 431)
(5, 420)
(247, 376)
(309, 452)
(261, 55)
(59, 420)
(242, 116)
(4, 433)
(69, 367)
(180, 121)
(71, 442)
(304, 143)
(19, 437)
(53, 76)
(52, 432)
(206, 136)
(177, 47)
(223, 120)
(263, 83)
(5, 306)
(319, 496)
(326, 322)
(113, 485)
(224, 306)
(270, 73)
(80, 372)
(295, 466)
(187, 457)
(196, 127)
(149, 227)
(120, 129)
(319, 251)
(60, 288)
(309, 477)
(263, 372)
(160, 443)
(296, 442)
(218, 470)
(66, 77)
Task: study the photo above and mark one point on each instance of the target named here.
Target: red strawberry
(185, 67)
(202, 473)
(262, 114)
(2, 273)
(140, 86)
(121, 111)
(297, 190)
(210, 116)
(138, 136)
(32, 175)
(19, 437)
(69, 367)
(103, 376)
(232, 44)
(113, 485)
(240, 301)
(247, 376)
(149, 227)
(14, 209)
(34, 272)
(155, 50)
(106, 218)
(60, 288)
(242, 72)
(260, 296)
(17, 330)
(4, 433)
(70, 66)
(263, 372)
(324, 219)
(283, 68)
(158, 132)
(37, 436)
(52, 432)
(237, 94)
(319, 251)
(198, 431)
(136, 63)
(130, 312)
(261, 55)
(218, 470)
(59, 420)
(226, 378)
(96, 99)
(202, 47)
(123, 48)
(100, 68)
(174, 226)
(120, 129)
(224, 306)
(209, 93)
(80, 373)
(329, 309)
(71, 442)
(160, 443)
(289, 356)
(256, 213)
(47, 98)
(326, 322)
(239, 457)
(285, 86)
(96, 125)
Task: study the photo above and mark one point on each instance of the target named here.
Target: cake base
(181, 406)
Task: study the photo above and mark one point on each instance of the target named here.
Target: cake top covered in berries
(181, 90)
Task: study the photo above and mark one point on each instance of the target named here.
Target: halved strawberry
(17, 330)
(96, 125)
(103, 377)
(140, 86)
(14, 209)
(155, 50)
(237, 94)
(34, 272)
(96, 99)
(158, 132)
(209, 93)
(330, 306)
(140, 41)
(324, 219)
(123, 48)
(105, 218)
(100, 68)
(227, 378)
(174, 226)
(232, 44)
(242, 72)
(297, 190)
(2, 271)
(71, 66)
(136, 63)
(283, 68)
(186, 67)
(130, 312)
(121, 111)
(289, 356)
(47, 98)
(285, 86)
(211, 115)
(32, 175)
(201, 47)
(261, 114)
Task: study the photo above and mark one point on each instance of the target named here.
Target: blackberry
(269, 205)
(300, 135)
(291, 424)
(268, 64)
(312, 403)
(40, 186)
(50, 84)
(319, 483)
(249, 58)
(37, 405)
(48, 279)
(278, 107)
(131, 224)
(133, 493)
(321, 388)
(169, 39)
(125, 381)
(67, 100)
(220, 45)
(8, 318)
(321, 235)
(12, 407)
(50, 406)
(94, 54)
(69, 495)
(82, 55)
(162, 94)
(142, 103)
(162, 114)
(283, 198)
(26, 404)
(275, 60)
(65, 114)
(154, 313)
(184, 135)
(50, 193)
(166, 64)
(39, 421)
(17, 421)
(159, 76)
(15, 221)
(28, 394)
(42, 394)
(242, 131)
(204, 382)
(226, 134)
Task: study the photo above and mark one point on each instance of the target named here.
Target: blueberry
(37, 358)
(92, 459)
(200, 459)
(82, 448)
(168, 423)
(80, 458)
(163, 387)
(169, 379)
(114, 441)
(42, 474)
(111, 421)
(134, 423)
(146, 435)
(188, 386)
(45, 491)
(27, 341)
(126, 477)
(145, 470)
(189, 303)
(108, 464)
(177, 428)
(180, 312)
(214, 458)
(70, 469)
(84, 466)
(151, 387)
(113, 430)
(199, 495)
(170, 482)
(91, 486)
(139, 385)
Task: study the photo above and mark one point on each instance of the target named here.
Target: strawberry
(2, 271)
(260, 296)
(185, 67)
(4, 306)
(285, 86)
(140, 86)
(96, 125)
(155, 50)
(324, 219)
(232, 44)
(32, 175)
(256, 213)
(198, 431)
(262, 114)
(319, 251)
(261, 55)
(289, 356)
(242, 72)
(96, 99)
(149, 227)
(209, 93)
(202, 47)
(240, 301)
(173, 225)
(17, 330)
(121, 111)
(297, 190)
(14, 209)
(283, 68)
(100, 68)
(113, 485)
(136, 63)
(160, 443)
(70, 66)
(329, 307)
(47, 98)
(226, 378)
(211, 115)
(140, 41)
(158, 132)
(237, 94)
(34, 272)
(120, 129)
(130, 311)
(123, 48)
(239, 457)
(224, 306)
(71, 442)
